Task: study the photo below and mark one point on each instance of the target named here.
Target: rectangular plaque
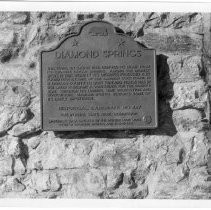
(98, 80)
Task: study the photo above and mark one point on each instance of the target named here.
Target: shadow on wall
(165, 93)
(165, 123)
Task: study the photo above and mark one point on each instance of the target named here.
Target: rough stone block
(56, 153)
(112, 157)
(16, 185)
(171, 42)
(6, 166)
(123, 20)
(180, 173)
(94, 181)
(34, 142)
(83, 183)
(21, 18)
(199, 151)
(12, 186)
(188, 120)
(6, 38)
(13, 93)
(21, 130)
(175, 152)
(11, 42)
(19, 167)
(4, 144)
(198, 177)
(54, 182)
(14, 147)
(184, 68)
(41, 181)
(45, 181)
(9, 116)
(189, 95)
(184, 21)
(17, 96)
(17, 71)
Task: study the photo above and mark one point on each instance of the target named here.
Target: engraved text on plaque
(98, 79)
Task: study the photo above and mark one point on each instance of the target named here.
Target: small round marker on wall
(147, 119)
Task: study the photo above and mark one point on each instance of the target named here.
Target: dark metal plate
(98, 79)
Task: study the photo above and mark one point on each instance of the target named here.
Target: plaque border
(51, 49)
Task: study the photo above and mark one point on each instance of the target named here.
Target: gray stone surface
(170, 162)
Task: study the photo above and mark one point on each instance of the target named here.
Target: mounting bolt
(147, 119)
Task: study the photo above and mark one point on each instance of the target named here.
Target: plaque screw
(147, 119)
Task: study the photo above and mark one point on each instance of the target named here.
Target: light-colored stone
(184, 68)
(198, 177)
(181, 172)
(19, 167)
(6, 166)
(54, 182)
(14, 147)
(34, 142)
(10, 116)
(17, 96)
(41, 181)
(122, 20)
(82, 183)
(21, 129)
(15, 70)
(170, 41)
(13, 185)
(199, 151)
(58, 153)
(189, 95)
(6, 37)
(188, 120)
(45, 181)
(16, 185)
(112, 156)
(21, 18)
(178, 20)
(31, 126)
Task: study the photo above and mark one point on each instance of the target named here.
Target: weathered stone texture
(185, 68)
(10, 116)
(172, 161)
(189, 95)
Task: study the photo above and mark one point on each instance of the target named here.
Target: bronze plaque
(98, 80)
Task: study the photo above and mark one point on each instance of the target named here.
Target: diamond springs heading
(67, 54)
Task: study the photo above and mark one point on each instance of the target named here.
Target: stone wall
(171, 161)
